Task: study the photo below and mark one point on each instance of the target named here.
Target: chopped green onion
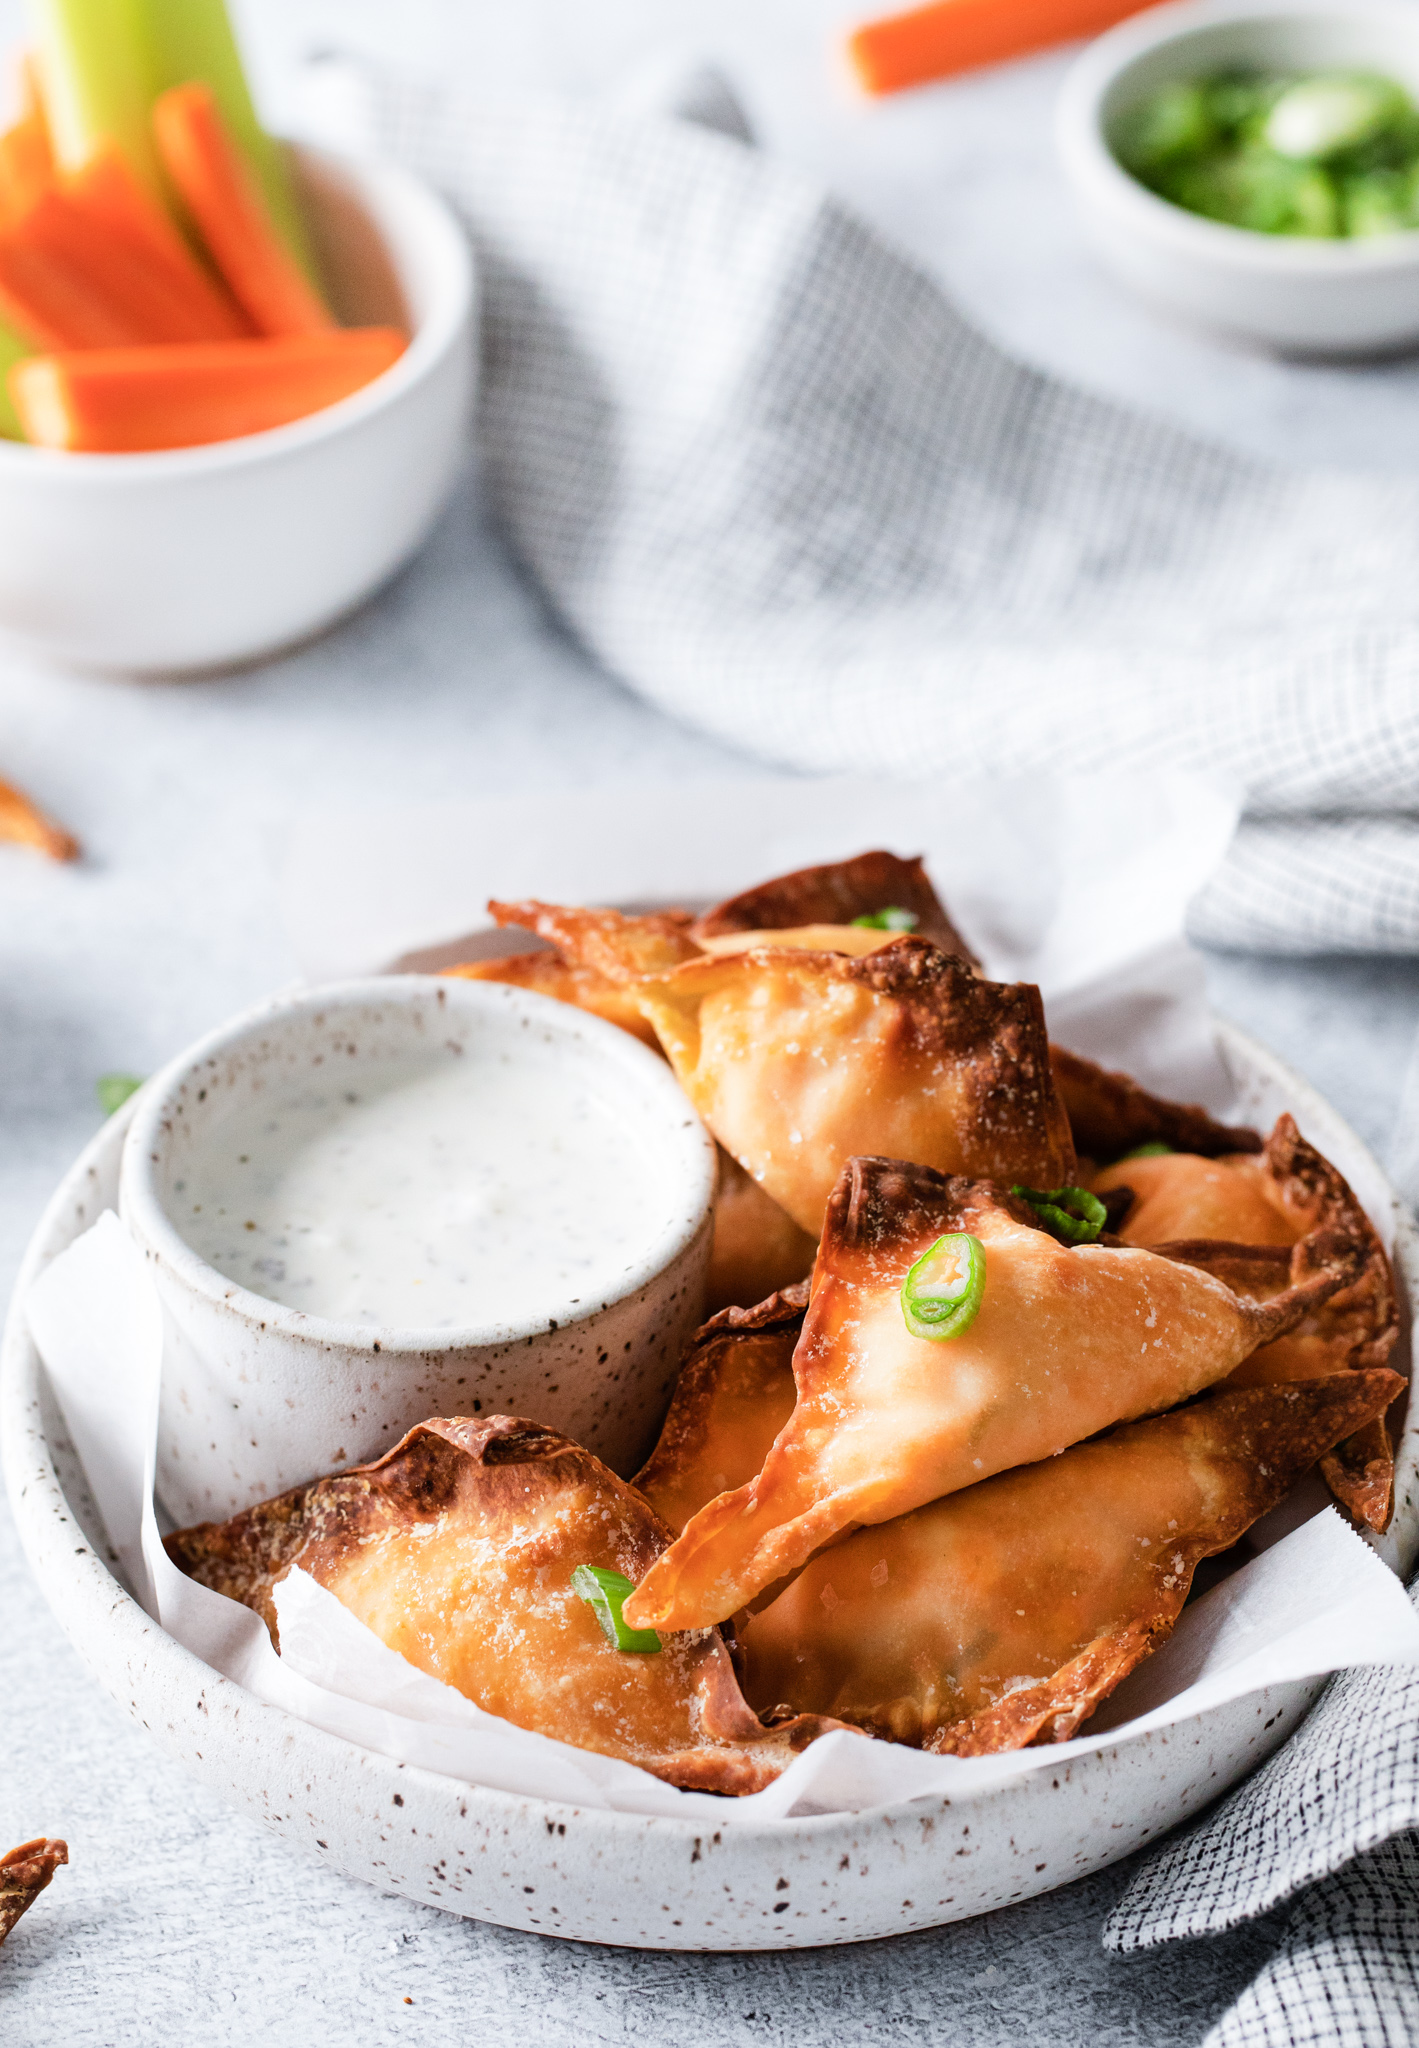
(941, 1295)
(892, 919)
(1154, 1149)
(113, 1090)
(605, 1593)
(1071, 1214)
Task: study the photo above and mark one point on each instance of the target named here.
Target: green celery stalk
(12, 349)
(194, 39)
(95, 75)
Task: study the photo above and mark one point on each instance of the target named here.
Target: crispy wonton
(1066, 1342)
(1003, 1615)
(797, 1061)
(24, 1873)
(1110, 1114)
(835, 895)
(548, 974)
(1269, 1203)
(734, 1394)
(607, 942)
(457, 1549)
(757, 1249)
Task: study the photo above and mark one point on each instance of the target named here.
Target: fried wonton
(1110, 1114)
(797, 1061)
(606, 942)
(734, 1394)
(1066, 1342)
(1272, 1201)
(835, 895)
(457, 1549)
(1003, 1615)
(548, 974)
(24, 1873)
(757, 1249)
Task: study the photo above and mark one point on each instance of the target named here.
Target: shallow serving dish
(614, 1877)
(1289, 293)
(192, 558)
(314, 1394)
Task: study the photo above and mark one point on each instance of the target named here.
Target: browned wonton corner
(836, 894)
(1110, 1114)
(457, 1549)
(24, 1873)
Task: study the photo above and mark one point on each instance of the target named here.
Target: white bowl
(193, 558)
(1289, 293)
(592, 1875)
(258, 1396)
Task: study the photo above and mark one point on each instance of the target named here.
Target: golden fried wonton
(607, 942)
(734, 1394)
(1066, 1342)
(1110, 1114)
(24, 1873)
(1273, 1200)
(548, 974)
(797, 1061)
(835, 895)
(457, 1549)
(1003, 1615)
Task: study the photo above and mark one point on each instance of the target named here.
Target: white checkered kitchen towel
(769, 475)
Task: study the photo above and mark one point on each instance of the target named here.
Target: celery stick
(193, 39)
(94, 74)
(11, 351)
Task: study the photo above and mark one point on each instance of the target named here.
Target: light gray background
(178, 1921)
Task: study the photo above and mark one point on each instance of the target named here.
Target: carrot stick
(116, 401)
(957, 35)
(221, 192)
(195, 306)
(26, 825)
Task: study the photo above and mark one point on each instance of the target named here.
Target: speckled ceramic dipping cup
(258, 1396)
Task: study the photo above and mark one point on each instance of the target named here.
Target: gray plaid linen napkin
(771, 478)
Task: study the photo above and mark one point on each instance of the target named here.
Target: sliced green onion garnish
(1156, 1149)
(113, 1090)
(892, 919)
(1072, 1214)
(941, 1295)
(605, 1593)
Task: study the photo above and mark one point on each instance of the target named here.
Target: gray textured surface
(177, 1920)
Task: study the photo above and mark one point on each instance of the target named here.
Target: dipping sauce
(429, 1194)
(1330, 154)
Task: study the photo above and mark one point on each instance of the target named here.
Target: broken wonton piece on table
(1064, 1342)
(1004, 1615)
(457, 1549)
(1109, 1114)
(734, 1394)
(799, 1060)
(1275, 1201)
(24, 1873)
(829, 899)
(24, 824)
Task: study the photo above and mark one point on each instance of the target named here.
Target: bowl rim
(687, 1146)
(1097, 172)
(441, 329)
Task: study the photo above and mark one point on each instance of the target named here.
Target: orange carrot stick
(957, 35)
(92, 264)
(117, 401)
(177, 291)
(26, 825)
(218, 187)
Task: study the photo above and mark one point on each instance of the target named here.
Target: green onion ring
(605, 1593)
(1071, 1214)
(1154, 1149)
(941, 1295)
(891, 919)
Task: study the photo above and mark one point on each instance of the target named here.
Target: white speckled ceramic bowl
(1291, 293)
(258, 1396)
(615, 1877)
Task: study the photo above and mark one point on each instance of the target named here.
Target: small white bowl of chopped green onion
(1255, 168)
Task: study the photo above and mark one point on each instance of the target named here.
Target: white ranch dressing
(426, 1194)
